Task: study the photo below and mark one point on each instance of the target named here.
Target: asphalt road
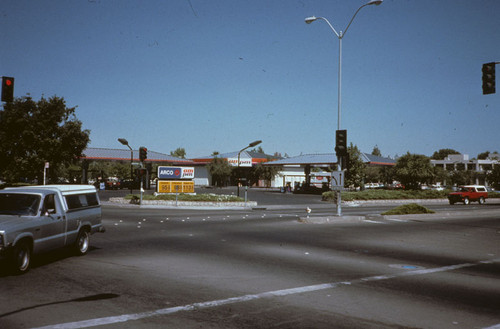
(164, 268)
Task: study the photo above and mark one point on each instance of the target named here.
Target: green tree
(462, 177)
(412, 170)
(179, 152)
(494, 177)
(105, 169)
(443, 153)
(220, 170)
(440, 175)
(355, 173)
(494, 155)
(376, 151)
(32, 133)
(266, 173)
(258, 150)
(483, 156)
(373, 174)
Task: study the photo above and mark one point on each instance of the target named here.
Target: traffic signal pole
(143, 155)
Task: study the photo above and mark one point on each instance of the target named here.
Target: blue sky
(216, 75)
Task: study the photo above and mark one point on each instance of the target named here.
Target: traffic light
(341, 142)
(143, 153)
(7, 89)
(140, 172)
(488, 78)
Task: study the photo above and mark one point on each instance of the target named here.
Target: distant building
(248, 159)
(298, 169)
(462, 162)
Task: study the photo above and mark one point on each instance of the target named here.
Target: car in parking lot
(469, 193)
(112, 183)
(130, 184)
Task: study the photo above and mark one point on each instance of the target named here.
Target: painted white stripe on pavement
(496, 326)
(245, 298)
(373, 221)
(397, 220)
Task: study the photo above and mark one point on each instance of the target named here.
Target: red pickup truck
(468, 194)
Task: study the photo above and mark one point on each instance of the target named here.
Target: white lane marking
(397, 220)
(245, 298)
(373, 221)
(496, 326)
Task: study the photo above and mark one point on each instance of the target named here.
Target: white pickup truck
(37, 219)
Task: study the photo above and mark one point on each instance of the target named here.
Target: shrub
(386, 195)
(188, 197)
(411, 208)
(330, 196)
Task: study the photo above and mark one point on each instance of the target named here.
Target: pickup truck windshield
(19, 204)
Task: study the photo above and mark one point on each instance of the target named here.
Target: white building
(462, 162)
(299, 169)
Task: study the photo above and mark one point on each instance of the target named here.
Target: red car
(113, 184)
(468, 194)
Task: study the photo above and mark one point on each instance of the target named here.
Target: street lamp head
(254, 143)
(374, 2)
(311, 19)
(123, 141)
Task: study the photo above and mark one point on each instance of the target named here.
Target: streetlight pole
(249, 145)
(340, 35)
(125, 142)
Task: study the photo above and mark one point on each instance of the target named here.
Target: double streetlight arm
(340, 35)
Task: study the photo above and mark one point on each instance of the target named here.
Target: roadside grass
(407, 209)
(375, 194)
(386, 195)
(205, 197)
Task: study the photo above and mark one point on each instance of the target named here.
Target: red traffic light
(143, 153)
(7, 89)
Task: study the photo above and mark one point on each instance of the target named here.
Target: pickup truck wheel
(466, 201)
(21, 257)
(82, 242)
(481, 200)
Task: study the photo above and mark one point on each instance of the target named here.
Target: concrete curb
(202, 205)
(385, 219)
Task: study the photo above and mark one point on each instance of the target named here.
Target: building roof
(306, 159)
(371, 159)
(94, 153)
(329, 159)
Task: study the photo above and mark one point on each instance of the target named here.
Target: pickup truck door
(51, 233)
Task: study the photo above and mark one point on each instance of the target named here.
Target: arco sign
(175, 172)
